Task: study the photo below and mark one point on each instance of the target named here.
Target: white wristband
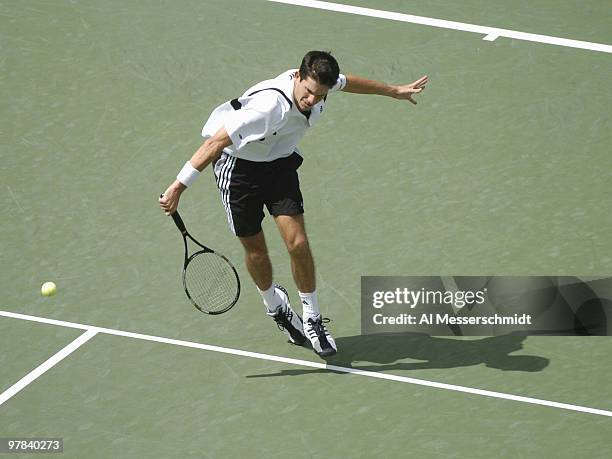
(188, 174)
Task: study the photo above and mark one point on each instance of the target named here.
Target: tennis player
(251, 142)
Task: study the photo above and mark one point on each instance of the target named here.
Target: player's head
(317, 74)
(321, 66)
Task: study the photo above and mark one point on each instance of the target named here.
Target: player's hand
(405, 92)
(170, 199)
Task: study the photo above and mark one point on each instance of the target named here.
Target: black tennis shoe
(322, 342)
(287, 320)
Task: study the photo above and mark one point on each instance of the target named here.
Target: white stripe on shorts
(224, 177)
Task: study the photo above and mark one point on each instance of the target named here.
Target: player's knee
(298, 246)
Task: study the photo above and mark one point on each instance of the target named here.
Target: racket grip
(179, 221)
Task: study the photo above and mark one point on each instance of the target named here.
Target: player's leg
(257, 260)
(292, 231)
(284, 201)
(238, 181)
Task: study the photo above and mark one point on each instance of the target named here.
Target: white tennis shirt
(268, 124)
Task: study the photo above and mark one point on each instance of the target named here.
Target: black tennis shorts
(246, 186)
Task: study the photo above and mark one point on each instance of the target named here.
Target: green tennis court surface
(502, 168)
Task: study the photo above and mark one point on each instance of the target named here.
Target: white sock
(270, 298)
(310, 305)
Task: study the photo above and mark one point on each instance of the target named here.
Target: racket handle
(179, 222)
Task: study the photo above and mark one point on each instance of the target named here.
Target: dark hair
(321, 66)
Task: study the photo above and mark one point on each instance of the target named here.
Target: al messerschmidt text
(448, 319)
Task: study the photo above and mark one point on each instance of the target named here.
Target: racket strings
(211, 282)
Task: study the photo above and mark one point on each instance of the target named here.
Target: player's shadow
(418, 352)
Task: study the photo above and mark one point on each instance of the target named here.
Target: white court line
(48, 364)
(491, 33)
(307, 363)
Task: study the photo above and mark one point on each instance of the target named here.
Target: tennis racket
(209, 279)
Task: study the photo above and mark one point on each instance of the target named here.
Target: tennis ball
(48, 289)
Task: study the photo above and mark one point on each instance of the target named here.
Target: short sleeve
(260, 116)
(340, 83)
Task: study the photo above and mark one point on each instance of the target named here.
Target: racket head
(211, 282)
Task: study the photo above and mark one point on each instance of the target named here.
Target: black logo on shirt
(263, 138)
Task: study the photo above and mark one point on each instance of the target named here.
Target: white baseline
(306, 363)
(490, 33)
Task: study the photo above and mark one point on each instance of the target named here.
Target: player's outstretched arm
(359, 85)
(208, 152)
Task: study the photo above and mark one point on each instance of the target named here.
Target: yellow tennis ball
(48, 289)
